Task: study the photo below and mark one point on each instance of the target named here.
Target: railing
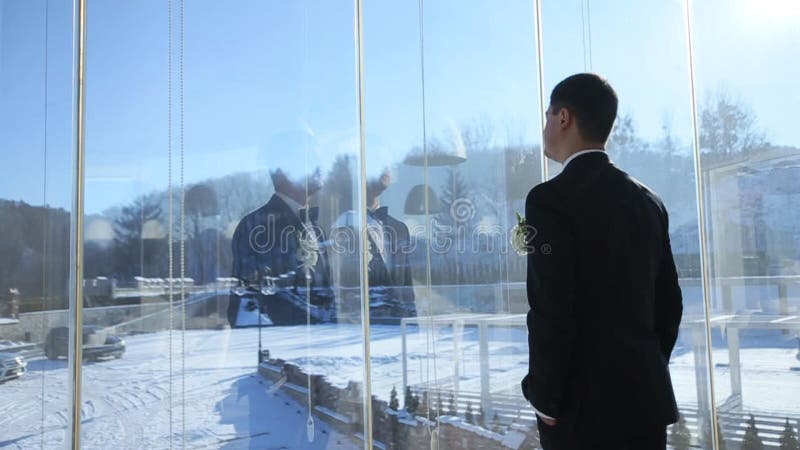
(509, 408)
(734, 423)
(513, 406)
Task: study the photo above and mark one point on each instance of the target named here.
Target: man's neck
(582, 151)
(293, 203)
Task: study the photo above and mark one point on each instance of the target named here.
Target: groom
(602, 288)
(270, 238)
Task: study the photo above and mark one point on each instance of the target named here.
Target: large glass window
(452, 149)
(750, 153)
(275, 191)
(35, 212)
(222, 146)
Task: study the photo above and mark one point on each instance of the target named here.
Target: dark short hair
(592, 100)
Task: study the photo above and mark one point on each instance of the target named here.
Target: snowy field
(126, 402)
(214, 399)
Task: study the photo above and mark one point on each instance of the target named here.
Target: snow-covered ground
(219, 402)
(214, 399)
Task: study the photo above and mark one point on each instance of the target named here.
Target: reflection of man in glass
(391, 291)
(278, 252)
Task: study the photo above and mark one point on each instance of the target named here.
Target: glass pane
(129, 366)
(35, 212)
(453, 130)
(217, 323)
(222, 255)
(652, 140)
(750, 155)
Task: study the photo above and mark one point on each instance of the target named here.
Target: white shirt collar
(582, 152)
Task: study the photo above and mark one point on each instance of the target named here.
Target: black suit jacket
(391, 289)
(395, 274)
(269, 237)
(605, 304)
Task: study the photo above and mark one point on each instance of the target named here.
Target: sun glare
(770, 12)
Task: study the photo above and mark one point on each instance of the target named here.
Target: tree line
(34, 247)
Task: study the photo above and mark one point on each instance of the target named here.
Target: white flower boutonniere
(519, 237)
(308, 252)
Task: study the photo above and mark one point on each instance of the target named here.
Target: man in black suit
(269, 242)
(391, 289)
(602, 288)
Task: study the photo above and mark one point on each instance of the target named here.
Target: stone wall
(203, 311)
(342, 408)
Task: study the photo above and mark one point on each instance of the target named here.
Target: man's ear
(564, 118)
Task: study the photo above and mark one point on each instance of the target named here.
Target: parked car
(12, 365)
(97, 343)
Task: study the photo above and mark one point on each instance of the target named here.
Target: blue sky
(270, 83)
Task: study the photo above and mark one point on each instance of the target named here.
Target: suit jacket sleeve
(668, 298)
(551, 296)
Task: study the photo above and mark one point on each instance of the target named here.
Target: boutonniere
(518, 236)
(370, 251)
(308, 251)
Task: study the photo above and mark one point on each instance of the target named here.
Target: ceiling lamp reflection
(152, 229)
(438, 154)
(99, 230)
(201, 201)
(415, 201)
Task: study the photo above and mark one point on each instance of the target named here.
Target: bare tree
(728, 126)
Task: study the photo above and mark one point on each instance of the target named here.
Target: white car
(12, 365)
